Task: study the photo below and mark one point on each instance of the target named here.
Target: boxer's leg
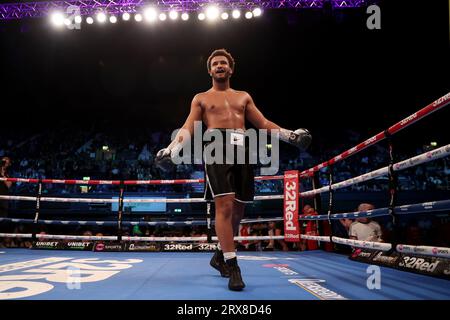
(219, 187)
(224, 231)
(224, 221)
(238, 214)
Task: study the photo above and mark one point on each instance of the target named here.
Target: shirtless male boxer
(231, 185)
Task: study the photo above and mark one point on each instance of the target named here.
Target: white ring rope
(131, 238)
(70, 237)
(408, 163)
(105, 200)
(423, 250)
(16, 235)
(318, 238)
(261, 220)
(383, 246)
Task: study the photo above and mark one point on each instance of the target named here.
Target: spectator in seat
(365, 229)
(276, 229)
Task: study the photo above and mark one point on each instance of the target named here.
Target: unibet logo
(78, 244)
(45, 243)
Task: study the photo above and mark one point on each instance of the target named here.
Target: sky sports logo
(314, 286)
(283, 268)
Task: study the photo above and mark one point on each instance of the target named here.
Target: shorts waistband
(224, 130)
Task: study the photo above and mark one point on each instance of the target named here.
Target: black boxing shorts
(232, 174)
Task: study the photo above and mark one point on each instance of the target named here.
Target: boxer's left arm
(256, 117)
(301, 138)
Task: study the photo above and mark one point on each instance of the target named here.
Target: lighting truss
(22, 10)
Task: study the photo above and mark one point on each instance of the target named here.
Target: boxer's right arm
(187, 130)
(3, 174)
(163, 157)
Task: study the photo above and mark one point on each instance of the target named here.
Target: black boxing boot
(235, 283)
(218, 263)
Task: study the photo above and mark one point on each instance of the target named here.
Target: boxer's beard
(222, 79)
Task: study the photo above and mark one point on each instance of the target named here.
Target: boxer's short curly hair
(220, 52)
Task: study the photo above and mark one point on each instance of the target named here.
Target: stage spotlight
(78, 19)
(113, 19)
(67, 21)
(138, 17)
(58, 19)
(126, 16)
(257, 12)
(150, 14)
(173, 15)
(212, 13)
(162, 17)
(201, 16)
(236, 14)
(185, 16)
(248, 15)
(89, 20)
(101, 17)
(224, 16)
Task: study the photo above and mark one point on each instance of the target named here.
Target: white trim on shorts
(242, 201)
(223, 194)
(209, 184)
(212, 192)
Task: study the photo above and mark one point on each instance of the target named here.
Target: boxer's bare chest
(224, 109)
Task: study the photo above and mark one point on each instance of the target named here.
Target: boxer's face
(220, 69)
